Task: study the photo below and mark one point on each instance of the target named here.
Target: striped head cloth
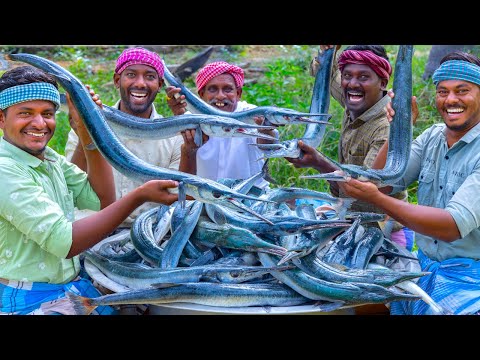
(28, 92)
(457, 70)
(138, 55)
(217, 68)
(379, 65)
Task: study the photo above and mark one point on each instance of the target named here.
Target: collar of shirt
(24, 157)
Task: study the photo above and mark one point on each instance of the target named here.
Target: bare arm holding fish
(99, 171)
(90, 230)
(434, 222)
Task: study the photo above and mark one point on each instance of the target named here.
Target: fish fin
(81, 305)
(328, 305)
(163, 285)
(198, 137)
(182, 194)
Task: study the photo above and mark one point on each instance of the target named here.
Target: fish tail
(81, 305)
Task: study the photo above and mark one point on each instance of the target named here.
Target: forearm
(188, 161)
(434, 222)
(100, 176)
(381, 159)
(78, 157)
(92, 229)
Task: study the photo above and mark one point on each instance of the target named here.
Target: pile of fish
(207, 254)
(235, 245)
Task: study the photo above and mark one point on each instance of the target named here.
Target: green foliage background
(286, 83)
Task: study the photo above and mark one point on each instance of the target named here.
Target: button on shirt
(36, 214)
(448, 179)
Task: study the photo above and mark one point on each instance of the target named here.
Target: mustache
(225, 102)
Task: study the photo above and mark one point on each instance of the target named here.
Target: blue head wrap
(457, 70)
(27, 92)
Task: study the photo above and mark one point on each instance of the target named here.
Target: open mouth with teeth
(36, 134)
(355, 96)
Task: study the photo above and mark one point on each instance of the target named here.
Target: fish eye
(216, 194)
(227, 129)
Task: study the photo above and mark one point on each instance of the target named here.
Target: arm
(434, 222)
(188, 159)
(92, 229)
(99, 171)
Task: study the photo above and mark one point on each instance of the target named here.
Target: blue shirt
(448, 179)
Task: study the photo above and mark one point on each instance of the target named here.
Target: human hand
(391, 112)
(360, 190)
(326, 47)
(176, 102)
(157, 191)
(74, 117)
(310, 157)
(189, 146)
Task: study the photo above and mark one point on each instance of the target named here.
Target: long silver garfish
(283, 225)
(203, 293)
(413, 288)
(232, 237)
(400, 136)
(161, 128)
(318, 289)
(314, 266)
(135, 277)
(273, 115)
(122, 159)
(178, 239)
(320, 103)
(340, 205)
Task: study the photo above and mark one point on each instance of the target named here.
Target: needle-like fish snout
(254, 133)
(243, 207)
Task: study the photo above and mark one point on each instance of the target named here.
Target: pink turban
(217, 68)
(380, 65)
(134, 56)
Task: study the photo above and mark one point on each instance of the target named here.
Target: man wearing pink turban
(138, 76)
(220, 84)
(359, 80)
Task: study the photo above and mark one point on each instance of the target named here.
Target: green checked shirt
(37, 200)
(362, 138)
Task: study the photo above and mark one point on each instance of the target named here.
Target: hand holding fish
(175, 101)
(311, 158)
(391, 112)
(76, 122)
(157, 191)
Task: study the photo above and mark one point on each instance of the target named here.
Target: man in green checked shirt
(40, 241)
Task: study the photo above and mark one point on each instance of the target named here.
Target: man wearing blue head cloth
(40, 241)
(445, 159)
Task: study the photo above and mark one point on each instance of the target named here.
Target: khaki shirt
(362, 138)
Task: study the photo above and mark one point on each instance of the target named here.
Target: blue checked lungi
(35, 298)
(453, 283)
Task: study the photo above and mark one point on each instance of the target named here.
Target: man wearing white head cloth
(220, 84)
(445, 159)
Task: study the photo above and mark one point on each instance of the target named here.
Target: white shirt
(163, 153)
(231, 157)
